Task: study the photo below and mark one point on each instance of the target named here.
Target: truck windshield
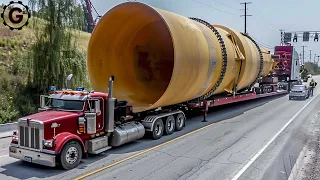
(71, 105)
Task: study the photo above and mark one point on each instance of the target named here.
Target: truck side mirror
(97, 107)
(42, 101)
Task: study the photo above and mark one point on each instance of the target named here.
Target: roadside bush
(5, 80)
(17, 99)
(26, 100)
(13, 43)
(7, 116)
(2, 43)
(8, 113)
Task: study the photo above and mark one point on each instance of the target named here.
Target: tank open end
(131, 42)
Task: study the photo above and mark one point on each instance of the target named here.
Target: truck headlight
(48, 143)
(15, 136)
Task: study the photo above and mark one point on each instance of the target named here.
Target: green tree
(312, 68)
(55, 53)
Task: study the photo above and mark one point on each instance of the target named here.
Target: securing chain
(224, 58)
(261, 59)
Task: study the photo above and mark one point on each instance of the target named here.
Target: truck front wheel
(71, 155)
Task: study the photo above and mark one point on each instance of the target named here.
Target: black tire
(290, 97)
(157, 130)
(70, 161)
(169, 125)
(180, 121)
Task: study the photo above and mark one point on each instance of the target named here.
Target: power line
(214, 8)
(225, 5)
(267, 47)
(236, 1)
(262, 43)
(263, 19)
(269, 25)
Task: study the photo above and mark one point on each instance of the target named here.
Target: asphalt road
(237, 144)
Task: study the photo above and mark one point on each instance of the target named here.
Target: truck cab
(66, 120)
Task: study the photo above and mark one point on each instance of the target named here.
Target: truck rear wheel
(157, 130)
(170, 125)
(180, 120)
(71, 155)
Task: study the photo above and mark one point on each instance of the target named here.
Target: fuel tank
(126, 133)
(159, 58)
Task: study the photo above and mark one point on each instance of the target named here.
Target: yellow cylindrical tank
(268, 62)
(160, 58)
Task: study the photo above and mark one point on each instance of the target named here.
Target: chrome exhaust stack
(109, 108)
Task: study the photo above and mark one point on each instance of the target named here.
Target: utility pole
(318, 59)
(303, 54)
(310, 55)
(314, 59)
(300, 55)
(282, 37)
(245, 16)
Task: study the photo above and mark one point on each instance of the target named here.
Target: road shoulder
(309, 166)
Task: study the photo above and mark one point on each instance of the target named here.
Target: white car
(299, 91)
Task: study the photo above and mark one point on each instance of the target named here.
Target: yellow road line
(140, 153)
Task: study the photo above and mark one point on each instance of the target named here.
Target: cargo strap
(224, 58)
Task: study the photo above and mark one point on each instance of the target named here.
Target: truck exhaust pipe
(110, 90)
(109, 108)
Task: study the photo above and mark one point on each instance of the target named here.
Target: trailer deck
(233, 99)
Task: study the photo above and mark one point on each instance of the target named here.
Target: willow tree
(55, 54)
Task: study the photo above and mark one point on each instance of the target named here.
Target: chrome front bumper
(32, 156)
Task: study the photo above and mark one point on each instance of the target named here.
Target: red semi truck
(288, 68)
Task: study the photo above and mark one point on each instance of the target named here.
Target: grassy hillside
(14, 91)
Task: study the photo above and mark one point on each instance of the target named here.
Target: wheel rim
(72, 155)
(180, 120)
(158, 129)
(170, 123)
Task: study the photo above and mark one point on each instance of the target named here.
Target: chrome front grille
(30, 136)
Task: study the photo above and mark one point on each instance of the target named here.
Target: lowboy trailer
(72, 124)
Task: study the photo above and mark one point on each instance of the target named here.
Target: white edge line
(245, 167)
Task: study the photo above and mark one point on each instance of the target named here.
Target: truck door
(96, 105)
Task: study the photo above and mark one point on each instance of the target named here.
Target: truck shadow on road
(24, 170)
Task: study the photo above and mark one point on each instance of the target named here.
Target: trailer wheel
(157, 130)
(71, 155)
(170, 125)
(180, 120)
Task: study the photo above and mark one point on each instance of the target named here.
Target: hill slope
(16, 99)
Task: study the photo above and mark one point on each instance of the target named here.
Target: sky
(268, 16)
